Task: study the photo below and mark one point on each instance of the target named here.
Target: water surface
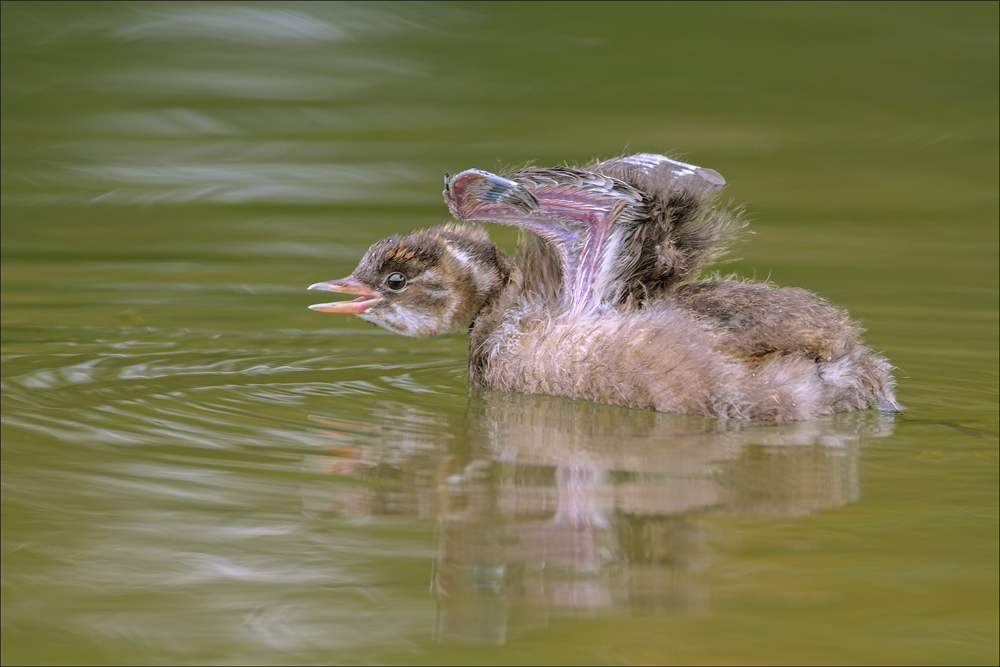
(197, 469)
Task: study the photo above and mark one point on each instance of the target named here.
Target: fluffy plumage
(600, 302)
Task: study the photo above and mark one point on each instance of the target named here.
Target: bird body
(600, 302)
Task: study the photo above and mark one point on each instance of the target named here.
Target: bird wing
(586, 215)
(667, 174)
(581, 214)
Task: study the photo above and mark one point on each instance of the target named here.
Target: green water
(198, 469)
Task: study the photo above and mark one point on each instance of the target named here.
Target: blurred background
(198, 469)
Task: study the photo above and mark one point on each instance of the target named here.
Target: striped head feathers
(428, 282)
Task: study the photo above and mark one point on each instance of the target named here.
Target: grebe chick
(601, 303)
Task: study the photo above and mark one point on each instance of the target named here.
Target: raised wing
(584, 215)
(660, 174)
(622, 228)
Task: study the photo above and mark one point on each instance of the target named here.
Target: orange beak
(349, 285)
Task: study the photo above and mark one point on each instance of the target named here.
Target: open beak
(368, 297)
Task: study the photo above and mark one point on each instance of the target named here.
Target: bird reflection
(547, 507)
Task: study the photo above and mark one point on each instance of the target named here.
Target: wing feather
(669, 173)
(575, 211)
(588, 216)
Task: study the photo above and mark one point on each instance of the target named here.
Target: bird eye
(395, 281)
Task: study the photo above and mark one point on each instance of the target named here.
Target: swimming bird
(602, 300)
